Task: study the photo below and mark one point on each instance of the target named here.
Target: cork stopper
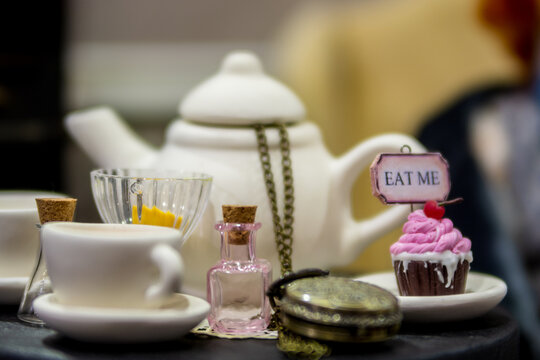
(55, 209)
(241, 214)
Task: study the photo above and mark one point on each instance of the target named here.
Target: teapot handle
(359, 234)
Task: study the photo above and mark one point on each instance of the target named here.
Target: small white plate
(12, 290)
(483, 292)
(108, 325)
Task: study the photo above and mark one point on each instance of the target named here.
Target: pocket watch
(313, 304)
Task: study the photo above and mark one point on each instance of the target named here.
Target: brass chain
(283, 231)
(295, 346)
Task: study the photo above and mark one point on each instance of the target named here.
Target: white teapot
(216, 136)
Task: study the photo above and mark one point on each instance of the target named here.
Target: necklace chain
(283, 230)
(288, 342)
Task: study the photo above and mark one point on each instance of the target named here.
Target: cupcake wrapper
(423, 278)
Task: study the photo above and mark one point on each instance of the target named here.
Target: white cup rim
(104, 232)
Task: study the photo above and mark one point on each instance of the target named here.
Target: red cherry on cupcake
(433, 210)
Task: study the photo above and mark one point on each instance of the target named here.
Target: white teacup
(19, 237)
(112, 265)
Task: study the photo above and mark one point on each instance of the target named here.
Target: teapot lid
(241, 94)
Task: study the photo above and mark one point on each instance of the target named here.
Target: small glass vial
(236, 286)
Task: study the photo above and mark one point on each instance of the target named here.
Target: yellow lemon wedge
(155, 216)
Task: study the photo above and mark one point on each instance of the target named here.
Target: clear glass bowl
(153, 197)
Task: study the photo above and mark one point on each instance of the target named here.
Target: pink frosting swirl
(424, 234)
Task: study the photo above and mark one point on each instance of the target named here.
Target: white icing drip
(439, 275)
(447, 259)
(405, 265)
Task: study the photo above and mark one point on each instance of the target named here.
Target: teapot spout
(107, 140)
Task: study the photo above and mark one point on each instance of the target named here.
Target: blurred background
(461, 75)
(140, 57)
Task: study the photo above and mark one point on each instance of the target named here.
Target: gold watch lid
(340, 293)
(340, 301)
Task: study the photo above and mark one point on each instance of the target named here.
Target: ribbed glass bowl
(153, 197)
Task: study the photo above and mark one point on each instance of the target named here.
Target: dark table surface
(492, 336)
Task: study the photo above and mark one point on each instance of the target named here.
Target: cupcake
(431, 257)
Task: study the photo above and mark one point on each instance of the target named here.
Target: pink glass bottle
(236, 286)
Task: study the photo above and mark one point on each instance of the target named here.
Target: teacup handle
(170, 267)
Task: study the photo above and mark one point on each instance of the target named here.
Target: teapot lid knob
(241, 62)
(241, 94)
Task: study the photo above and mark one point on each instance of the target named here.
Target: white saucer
(108, 325)
(12, 290)
(483, 292)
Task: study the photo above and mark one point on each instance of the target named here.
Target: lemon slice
(155, 216)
